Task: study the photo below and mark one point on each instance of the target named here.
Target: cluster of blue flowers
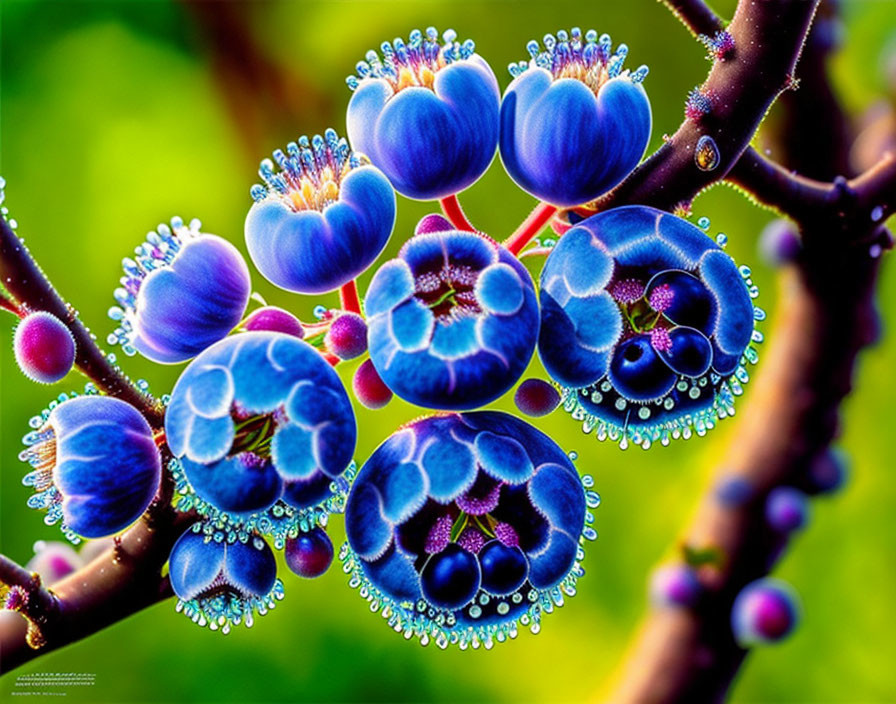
(464, 524)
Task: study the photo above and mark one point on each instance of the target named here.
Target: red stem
(10, 305)
(453, 211)
(348, 298)
(530, 227)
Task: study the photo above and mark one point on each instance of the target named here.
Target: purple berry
(674, 585)
(535, 397)
(276, 320)
(765, 611)
(433, 223)
(44, 348)
(310, 554)
(779, 243)
(347, 336)
(451, 578)
(369, 388)
(786, 509)
(504, 568)
(828, 472)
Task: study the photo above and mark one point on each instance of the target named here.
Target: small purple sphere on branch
(536, 398)
(274, 319)
(369, 388)
(347, 336)
(44, 348)
(573, 123)
(786, 509)
(675, 585)
(766, 611)
(426, 113)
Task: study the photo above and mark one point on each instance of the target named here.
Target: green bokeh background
(114, 118)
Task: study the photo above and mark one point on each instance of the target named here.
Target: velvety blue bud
(452, 322)
(786, 509)
(472, 516)
(321, 220)
(430, 122)
(646, 321)
(258, 417)
(184, 292)
(572, 126)
(222, 581)
(96, 465)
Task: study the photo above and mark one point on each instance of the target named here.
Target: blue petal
(292, 453)
(305, 493)
(209, 439)
(402, 488)
(366, 528)
(550, 566)
(451, 468)
(580, 260)
(210, 392)
(597, 321)
(499, 290)
(364, 108)
(689, 239)
(455, 340)
(394, 574)
(232, 486)
(392, 284)
(194, 563)
(558, 495)
(412, 325)
(250, 569)
(735, 323)
(566, 362)
(503, 457)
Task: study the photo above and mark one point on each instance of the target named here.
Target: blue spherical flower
(182, 292)
(96, 466)
(220, 582)
(258, 417)
(573, 123)
(452, 322)
(464, 523)
(426, 114)
(645, 320)
(322, 219)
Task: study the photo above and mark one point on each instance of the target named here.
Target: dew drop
(706, 154)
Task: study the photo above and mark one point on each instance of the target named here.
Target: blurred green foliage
(115, 116)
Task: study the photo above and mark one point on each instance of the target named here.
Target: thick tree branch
(32, 290)
(696, 15)
(768, 37)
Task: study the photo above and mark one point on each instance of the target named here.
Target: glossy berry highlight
(182, 291)
(647, 323)
(463, 525)
(322, 216)
(765, 611)
(573, 122)
(425, 111)
(95, 466)
(452, 320)
(44, 348)
(369, 387)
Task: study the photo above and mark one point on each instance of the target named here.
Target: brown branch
(696, 15)
(768, 37)
(25, 281)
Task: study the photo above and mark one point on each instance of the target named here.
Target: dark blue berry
(451, 578)
(504, 569)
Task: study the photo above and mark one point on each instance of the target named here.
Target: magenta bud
(347, 336)
(53, 560)
(674, 585)
(779, 243)
(535, 397)
(369, 388)
(786, 509)
(44, 348)
(828, 472)
(433, 223)
(310, 554)
(765, 611)
(275, 320)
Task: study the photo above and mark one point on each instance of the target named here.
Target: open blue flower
(464, 523)
(452, 322)
(322, 219)
(425, 113)
(220, 582)
(96, 466)
(573, 123)
(645, 320)
(182, 292)
(259, 417)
